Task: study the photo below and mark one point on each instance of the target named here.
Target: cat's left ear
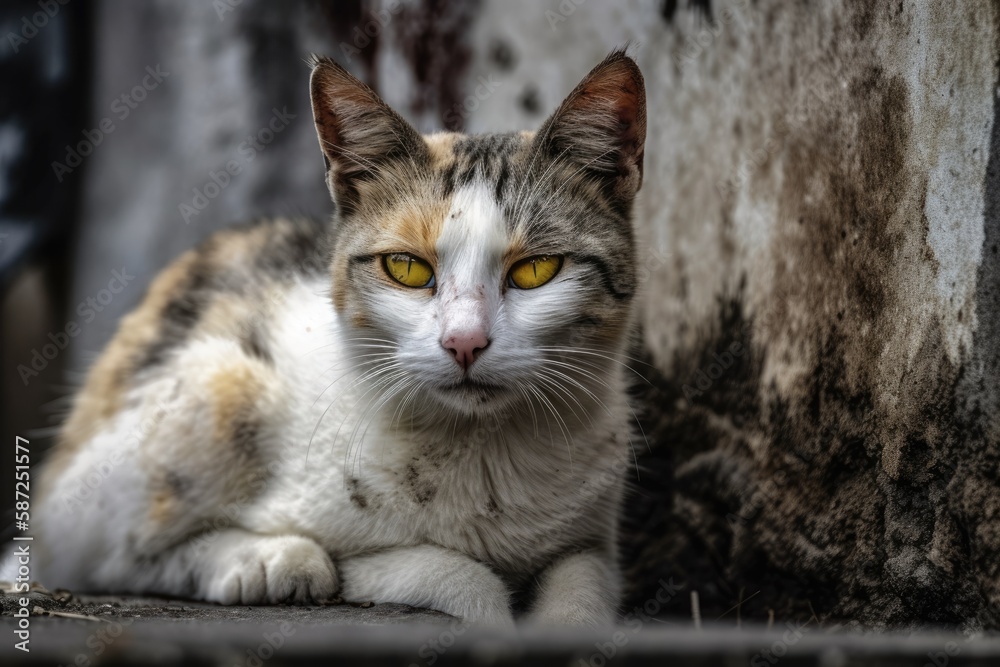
(601, 125)
(358, 133)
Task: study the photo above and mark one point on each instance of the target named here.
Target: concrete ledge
(109, 630)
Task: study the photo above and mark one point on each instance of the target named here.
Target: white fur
(455, 502)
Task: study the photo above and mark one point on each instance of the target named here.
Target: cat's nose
(465, 347)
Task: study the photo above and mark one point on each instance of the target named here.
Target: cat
(422, 401)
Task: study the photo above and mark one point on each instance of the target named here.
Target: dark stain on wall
(668, 8)
(529, 99)
(346, 20)
(704, 7)
(861, 486)
(433, 36)
(502, 54)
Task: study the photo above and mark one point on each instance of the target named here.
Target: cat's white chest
(357, 483)
(454, 502)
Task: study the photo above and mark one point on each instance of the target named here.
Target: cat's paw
(580, 589)
(432, 577)
(271, 570)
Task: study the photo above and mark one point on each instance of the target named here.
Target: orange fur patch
(163, 507)
(235, 392)
(217, 464)
(440, 145)
(414, 228)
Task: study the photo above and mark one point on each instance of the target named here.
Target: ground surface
(90, 630)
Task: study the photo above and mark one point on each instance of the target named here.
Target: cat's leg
(579, 589)
(431, 577)
(236, 566)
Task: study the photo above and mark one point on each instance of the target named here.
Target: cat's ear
(358, 133)
(601, 125)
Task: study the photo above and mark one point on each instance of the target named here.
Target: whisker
(379, 370)
(393, 391)
(554, 382)
(342, 343)
(385, 380)
(348, 372)
(560, 422)
(635, 417)
(586, 351)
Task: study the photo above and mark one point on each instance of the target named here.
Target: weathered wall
(829, 212)
(821, 199)
(820, 220)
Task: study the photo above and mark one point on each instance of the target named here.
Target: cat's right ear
(601, 126)
(358, 133)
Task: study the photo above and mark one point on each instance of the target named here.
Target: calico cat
(422, 401)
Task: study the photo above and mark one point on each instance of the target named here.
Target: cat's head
(488, 269)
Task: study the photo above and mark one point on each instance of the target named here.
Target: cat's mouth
(470, 396)
(470, 385)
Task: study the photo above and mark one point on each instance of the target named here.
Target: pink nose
(465, 347)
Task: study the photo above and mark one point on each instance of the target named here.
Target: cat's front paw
(274, 570)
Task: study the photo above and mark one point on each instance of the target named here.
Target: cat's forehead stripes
(492, 158)
(407, 211)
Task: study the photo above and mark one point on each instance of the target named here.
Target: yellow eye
(408, 270)
(535, 271)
